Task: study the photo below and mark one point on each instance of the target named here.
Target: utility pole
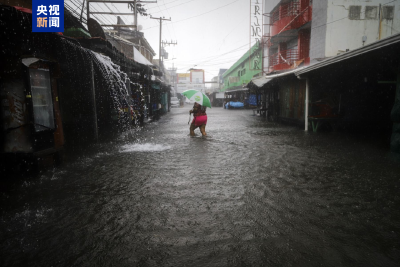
(135, 6)
(173, 75)
(159, 49)
(165, 43)
(83, 6)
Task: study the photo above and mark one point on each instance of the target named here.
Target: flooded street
(253, 193)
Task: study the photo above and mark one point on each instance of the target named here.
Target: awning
(138, 57)
(237, 90)
(260, 81)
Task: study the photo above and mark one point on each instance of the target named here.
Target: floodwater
(253, 193)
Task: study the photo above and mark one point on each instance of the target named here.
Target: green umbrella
(197, 97)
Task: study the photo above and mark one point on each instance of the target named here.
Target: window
(42, 100)
(388, 12)
(354, 12)
(371, 12)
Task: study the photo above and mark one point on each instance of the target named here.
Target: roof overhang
(138, 57)
(263, 80)
(237, 90)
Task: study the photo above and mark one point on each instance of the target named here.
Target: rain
(200, 133)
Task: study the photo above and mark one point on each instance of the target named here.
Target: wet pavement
(253, 193)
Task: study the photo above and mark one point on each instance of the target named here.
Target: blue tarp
(234, 105)
(252, 100)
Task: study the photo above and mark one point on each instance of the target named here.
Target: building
(182, 82)
(221, 77)
(134, 37)
(298, 32)
(243, 70)
(342, 25)
(192, 80)
(89, 91)
(352, 91)
(287, 35)
(214, 84)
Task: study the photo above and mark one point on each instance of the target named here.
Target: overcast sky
(211, 34)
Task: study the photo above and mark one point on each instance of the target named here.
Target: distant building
(218, 81)
(242, 71)
(124, 38)
(215, 84)
(221, 78)
(192, 80)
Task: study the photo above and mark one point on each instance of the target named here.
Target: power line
(166, 3)
(173, 29)
(175, 6)
(163, 16)
(217, 61)
(199, 14)
(389, 2)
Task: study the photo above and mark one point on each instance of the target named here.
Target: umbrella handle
(190, 115)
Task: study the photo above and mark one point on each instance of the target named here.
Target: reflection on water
(253, 193)
(144, 147)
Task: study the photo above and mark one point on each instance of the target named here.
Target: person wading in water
(200, 119)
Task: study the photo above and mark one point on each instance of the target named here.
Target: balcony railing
(285, 10)
(289, 16)
(283, 59)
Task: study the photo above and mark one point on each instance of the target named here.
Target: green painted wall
(241, 70)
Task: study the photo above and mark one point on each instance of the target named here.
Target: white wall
(343, 33)
(197, 76)
(215, 85)
(183, 77)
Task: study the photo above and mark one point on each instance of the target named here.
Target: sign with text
(47, 15)
(256, 18)
(256, 32)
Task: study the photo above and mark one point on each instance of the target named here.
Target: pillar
(306, 104)
(95, 126)
(395, 117)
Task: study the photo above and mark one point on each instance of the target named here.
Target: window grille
(371, 12)
(388, 12)
(354, 12)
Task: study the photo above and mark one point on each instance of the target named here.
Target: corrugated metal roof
(261, 81)
(138, 57)
(359, 51)
(237, 90)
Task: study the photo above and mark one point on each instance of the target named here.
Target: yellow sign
(183, 75)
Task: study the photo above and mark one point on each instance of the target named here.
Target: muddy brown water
(253, 193)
